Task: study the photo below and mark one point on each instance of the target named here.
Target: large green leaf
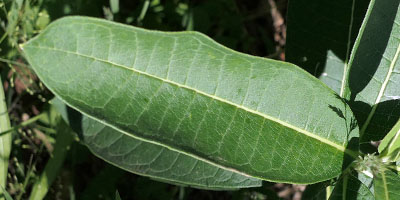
(374, 76)
(387, 185)
(255, 116)
(321, 34)
(148, 159)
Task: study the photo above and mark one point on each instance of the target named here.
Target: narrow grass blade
(5, 139)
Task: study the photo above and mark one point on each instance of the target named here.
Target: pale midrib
(283, 123)
(381, 91)
(385, 189)
(346, 62)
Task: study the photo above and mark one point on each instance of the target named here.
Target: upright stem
(5, 139)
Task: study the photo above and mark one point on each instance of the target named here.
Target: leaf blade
(195, 96)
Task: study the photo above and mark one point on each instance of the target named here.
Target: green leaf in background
(387, 185)
(321, 34)
(374, 76)
(349, 187)
(255, 116)
(390, 145)
(149, 159)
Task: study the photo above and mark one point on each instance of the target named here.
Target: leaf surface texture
(255, 116)
(148, 159)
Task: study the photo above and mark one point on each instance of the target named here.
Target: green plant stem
(181, 193)
(63, 140)
(5, 139)
(11, 62)
(23, 124)
(45, 129)
(4, 8)
(143, 12)
(189, 25)
(3, 37)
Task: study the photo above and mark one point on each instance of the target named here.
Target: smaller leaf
(387, 185)
(350, 187)
(389, 148)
